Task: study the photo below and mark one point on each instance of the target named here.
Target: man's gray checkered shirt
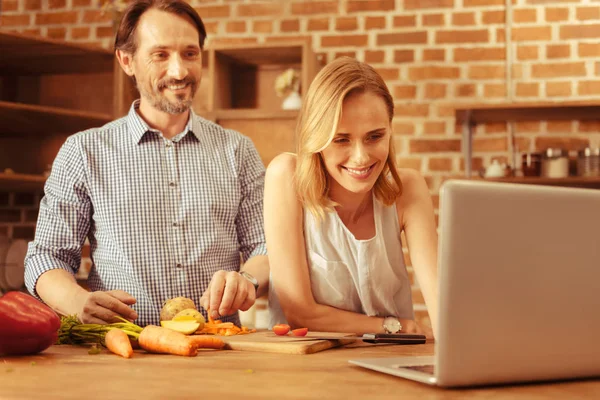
(162, 216)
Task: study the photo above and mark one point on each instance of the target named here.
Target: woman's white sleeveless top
(363, 276)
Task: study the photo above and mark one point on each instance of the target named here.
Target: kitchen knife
(396, 338)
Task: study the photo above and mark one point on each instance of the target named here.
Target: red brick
(433, 72)
(434, 55)
(262, 26)
(569, 143)
(241, 41)
(351, 54)
(528, 127)
(560, 89)
(63, 17)
(465, 90)
(10, 215)
(478, 3)
(412, 110)
(104, 31)
(413, 163)
(54, 4)
(494, 90)
(80, 32)
(374, 56)
(401, 21)
(23, 232)
(433, 19)
(527, 52)
(554, 70)
(346, 24)
(434, 145)
(375, 23)
(493, 17)
(403, 128)
(388, 74)
(370, 5)
(589, 50)
(30, 31)
(527, 89)
(95, 16)
(417, 37)
(280, 39)
(463, 18)
(32, 5)
(589, 126)
(440, 164)
(495, 127)
(591, 31)
(490, 144)
(10, 5)
(479, 54)
(531, 33)
(81, 3)
(434, 127)
(345, 40)
(465, 36)
(212, 27)
(262, 9)
(559, 126)
(523, 144)
(558, 51)
(557, 14)
(486, 72)
(435, 90)
(587, 13)
(418, 4)
(14, 19)
(401, 56)
(321, 7)
(405, 92)
(57, 33)
(588, 88)
(290, 25)
(235, 27)
(525, 15)
(207, 12)
(476, 164)
(318, 24)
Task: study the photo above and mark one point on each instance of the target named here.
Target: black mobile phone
(394, 338)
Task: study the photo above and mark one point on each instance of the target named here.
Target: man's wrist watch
(252, 279)
(391, 325)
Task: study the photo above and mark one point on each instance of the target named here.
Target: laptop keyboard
(428, 369)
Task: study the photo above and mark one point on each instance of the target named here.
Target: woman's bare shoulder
(282, 166)
(414, 184)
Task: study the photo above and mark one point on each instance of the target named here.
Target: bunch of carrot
(119, 337)
(217, 327)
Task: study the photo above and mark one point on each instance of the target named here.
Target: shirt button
(172, 184)
(179, 266)
(175, 224)
(169, 144)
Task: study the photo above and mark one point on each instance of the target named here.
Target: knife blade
(396, 338)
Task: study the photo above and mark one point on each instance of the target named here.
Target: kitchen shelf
(592, 182)
(249, 114)
(471, 115)
(21, 182)
(32, 55)
(18, 119)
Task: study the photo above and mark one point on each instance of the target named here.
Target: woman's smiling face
(359, 150)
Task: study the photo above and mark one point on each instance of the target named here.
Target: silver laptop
(519, 272)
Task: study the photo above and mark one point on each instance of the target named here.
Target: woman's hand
(411, 326)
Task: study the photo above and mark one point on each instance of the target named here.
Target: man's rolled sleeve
(63, 220)
(249, 221)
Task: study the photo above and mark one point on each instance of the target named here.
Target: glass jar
(588, 162)
(531, 164)
(555, 163)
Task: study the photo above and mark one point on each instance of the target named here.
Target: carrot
(117, 341)
(206, 342)
(156, 339)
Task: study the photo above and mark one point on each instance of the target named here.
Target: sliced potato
(190, 314)
(185, 327)
(173, 306)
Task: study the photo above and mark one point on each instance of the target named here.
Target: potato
(173, 306)
(192, 314)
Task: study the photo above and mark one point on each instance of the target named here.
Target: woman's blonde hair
(317, 125)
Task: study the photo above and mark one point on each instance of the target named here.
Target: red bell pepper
(27, 326)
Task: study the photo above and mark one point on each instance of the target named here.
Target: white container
(555, 163)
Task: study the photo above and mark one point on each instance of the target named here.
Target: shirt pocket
(332, 284)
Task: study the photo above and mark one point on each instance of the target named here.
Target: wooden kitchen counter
(68, 372)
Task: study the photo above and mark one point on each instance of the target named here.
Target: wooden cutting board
(267, 341)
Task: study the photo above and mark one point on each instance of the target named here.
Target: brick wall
(434, 55)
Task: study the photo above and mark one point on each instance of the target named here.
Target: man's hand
(228, 292)
(104, 307)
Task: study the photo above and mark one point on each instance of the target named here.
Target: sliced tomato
(281, 329)
(300, 332)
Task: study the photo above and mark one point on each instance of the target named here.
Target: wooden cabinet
(238, 91)
(470, 116)
(49, 90)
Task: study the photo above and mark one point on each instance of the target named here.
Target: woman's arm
(417, 217)
(287, 257)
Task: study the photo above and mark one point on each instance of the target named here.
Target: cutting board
(267, 341)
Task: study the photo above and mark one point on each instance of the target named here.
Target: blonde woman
(335, 210)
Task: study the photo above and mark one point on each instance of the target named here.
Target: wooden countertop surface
(68, 372)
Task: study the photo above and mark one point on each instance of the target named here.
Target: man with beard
(168, 200)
